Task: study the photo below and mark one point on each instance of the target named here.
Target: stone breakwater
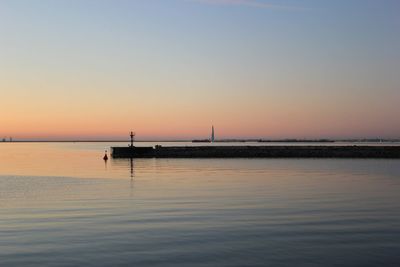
(257, 152)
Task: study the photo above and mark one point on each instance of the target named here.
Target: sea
(61, 204)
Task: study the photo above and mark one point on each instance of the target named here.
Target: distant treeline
(297, 141)
(373, 140)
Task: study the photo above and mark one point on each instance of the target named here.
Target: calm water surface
(62, 205)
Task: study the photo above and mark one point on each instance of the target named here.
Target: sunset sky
(169, 69)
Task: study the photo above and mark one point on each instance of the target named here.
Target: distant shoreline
(217, 141)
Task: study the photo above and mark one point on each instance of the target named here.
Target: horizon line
(362, 139)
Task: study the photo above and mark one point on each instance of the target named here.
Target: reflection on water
(61, 205)
(132, 168)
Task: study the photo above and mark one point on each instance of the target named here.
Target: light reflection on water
(61, 205)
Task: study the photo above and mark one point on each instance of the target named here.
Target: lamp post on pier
(132, 138)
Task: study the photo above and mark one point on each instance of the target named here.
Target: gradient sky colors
(170, 69)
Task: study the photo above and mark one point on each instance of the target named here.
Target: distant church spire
(212, 134)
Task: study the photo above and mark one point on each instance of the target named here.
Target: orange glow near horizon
(235, 115)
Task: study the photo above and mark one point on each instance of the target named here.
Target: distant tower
(212, 134)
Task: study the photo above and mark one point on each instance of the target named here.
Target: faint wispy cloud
(248, 3)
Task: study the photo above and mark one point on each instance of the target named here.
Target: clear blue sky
(171, 68)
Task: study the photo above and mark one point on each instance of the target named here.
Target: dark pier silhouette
(257, 152)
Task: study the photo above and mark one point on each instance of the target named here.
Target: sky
(169, 69)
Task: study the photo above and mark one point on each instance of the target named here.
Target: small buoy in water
(105, 156)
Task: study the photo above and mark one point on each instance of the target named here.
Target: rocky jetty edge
(257, 152)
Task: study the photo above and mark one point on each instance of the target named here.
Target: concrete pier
(257, 152)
